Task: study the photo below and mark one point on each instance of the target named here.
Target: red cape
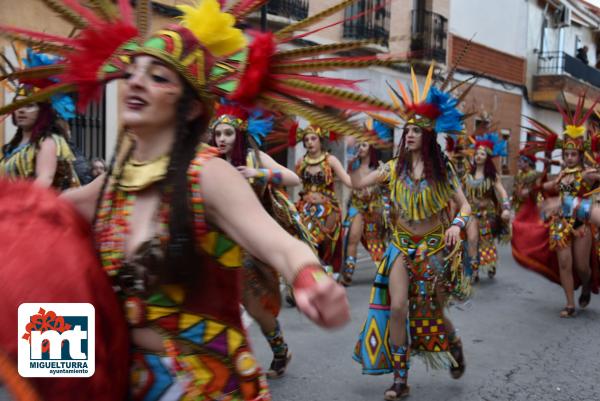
(48, 256)
(531, 247)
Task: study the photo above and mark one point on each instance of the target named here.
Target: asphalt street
(516, 347)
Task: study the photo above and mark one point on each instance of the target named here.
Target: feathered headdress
(256, 123)
(573, 135)
(493, 143)
(431, 107)
(62, 103)
(210, 53)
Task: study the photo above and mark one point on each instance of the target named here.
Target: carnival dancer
(237, 133)
(421, 268)
(489, 203)
(530, 241)
(319, 206)
(168, 205)
(568, 236)
(364, 222)
(39, 150)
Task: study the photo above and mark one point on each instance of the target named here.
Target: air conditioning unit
(561, 17)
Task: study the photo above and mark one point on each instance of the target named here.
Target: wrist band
(461, 220)
(506, 204)
(308, 276)
(266, 176)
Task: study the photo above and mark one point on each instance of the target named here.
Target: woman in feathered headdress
(489, 203)
(169, 213)
(364, 222)
(569, 237)
(237, 132)
(417, 274)
(319, 206)
(39, 150)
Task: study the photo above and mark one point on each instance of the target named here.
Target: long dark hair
(489, 169)
(181, 264)
(373, 160)
(45, 125)
(240, 147)
(433, 157)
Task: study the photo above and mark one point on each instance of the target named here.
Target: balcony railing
(561, 63)
(374, 24)
(292, 9)
(429, 35)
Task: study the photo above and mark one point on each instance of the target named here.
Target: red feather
(551, 142)
(292, 133)
(126, 11)
(95, 47)
(425, 109)
(255, 76)
(231, 110)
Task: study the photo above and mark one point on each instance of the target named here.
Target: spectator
(582, 55)
(98, 167)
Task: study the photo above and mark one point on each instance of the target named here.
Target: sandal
(492, 272)
(568, 311)
(396, 392)
(278, 366)
(456, 349)
(584, 298)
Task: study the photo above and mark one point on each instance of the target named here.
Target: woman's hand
(452, 236)
(247, 172)
(505, 215)
(325, 303)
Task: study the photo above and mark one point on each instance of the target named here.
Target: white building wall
(501, 25)
(552, 119)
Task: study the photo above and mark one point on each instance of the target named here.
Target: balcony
(291, 9)
(374, 24)
(429, 35)
(560, 72)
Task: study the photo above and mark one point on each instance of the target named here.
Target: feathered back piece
(286, 80)
(211, 54)
(255, 123)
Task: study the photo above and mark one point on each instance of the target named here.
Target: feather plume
(65, 13)
(459, 59)
(41, 96)
(143, 14)
(244, 7)
(327, 64)
(290, 29)
(214, 29)
(104, 8)
(311, 51)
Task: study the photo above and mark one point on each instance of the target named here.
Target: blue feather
(500, 144)
(450, 118)
(383, 131)
(259, 127)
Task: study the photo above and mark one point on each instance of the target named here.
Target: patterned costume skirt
(373, 233)
(262, 282)
(214, 362)
(491, 228)
(324, 222)
(428, 268)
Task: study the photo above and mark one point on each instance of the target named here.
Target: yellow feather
(428, 82)
(403, 91)
(213, 28)
(369, 124)
(394, 99)
(415, 87)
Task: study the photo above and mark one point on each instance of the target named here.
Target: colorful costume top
(320, 182)
(213, 349)
(20, 163)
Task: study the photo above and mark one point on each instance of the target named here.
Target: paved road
(517, 348)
